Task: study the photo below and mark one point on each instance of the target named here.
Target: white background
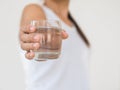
(100, 20)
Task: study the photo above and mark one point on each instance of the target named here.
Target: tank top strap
(49, 13)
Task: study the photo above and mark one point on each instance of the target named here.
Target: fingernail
(36, 46)
(31, 55)
(36, 38)
(32, 28)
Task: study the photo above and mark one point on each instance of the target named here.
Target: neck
(60, 7)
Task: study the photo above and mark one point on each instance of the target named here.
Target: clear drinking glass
(50, 39)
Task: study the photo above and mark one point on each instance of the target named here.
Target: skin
(28, 39)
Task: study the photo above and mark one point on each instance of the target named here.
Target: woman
(70, 71)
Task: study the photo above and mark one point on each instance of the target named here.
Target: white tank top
(68, 72)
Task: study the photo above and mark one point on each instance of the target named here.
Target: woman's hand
(29, 40)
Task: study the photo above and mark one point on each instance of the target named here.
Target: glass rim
(46, 20)
(33, 22)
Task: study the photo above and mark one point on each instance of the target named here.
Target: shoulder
(33, 11)
(33, 7)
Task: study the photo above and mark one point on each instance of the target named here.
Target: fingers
(26, 34)
(31, 41)
(28, 29)
(28, 38)
(30, 46)
(30, 55)
(64, 34)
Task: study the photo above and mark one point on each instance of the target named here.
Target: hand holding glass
(50, 39)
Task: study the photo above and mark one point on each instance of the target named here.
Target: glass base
(44, 56)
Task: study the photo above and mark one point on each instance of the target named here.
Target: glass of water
(50, 39)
